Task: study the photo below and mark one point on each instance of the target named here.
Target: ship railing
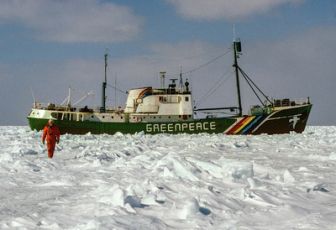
(58, 107)
(39, 105)
(50, 106)
(288, 102)
(302, 101)
(119, 109)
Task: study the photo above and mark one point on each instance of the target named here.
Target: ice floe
(203, 181)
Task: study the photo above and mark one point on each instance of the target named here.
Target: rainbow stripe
(244, 125)
(145, 93)
(251, 125)
(236, 126)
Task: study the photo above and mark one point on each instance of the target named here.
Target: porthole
(91, 116)
(103, 116)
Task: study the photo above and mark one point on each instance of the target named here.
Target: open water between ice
(169, 181)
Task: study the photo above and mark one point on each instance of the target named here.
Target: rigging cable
(213, 89)
(247, 77)
(202, 65)
(255, 93)
(186, 72)
(113, 87)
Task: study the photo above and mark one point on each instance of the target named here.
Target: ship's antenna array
(181, 79)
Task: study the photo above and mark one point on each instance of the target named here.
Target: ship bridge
(160, 103)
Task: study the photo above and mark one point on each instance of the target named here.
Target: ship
(169, 109)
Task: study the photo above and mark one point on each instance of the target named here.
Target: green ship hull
(284, 120)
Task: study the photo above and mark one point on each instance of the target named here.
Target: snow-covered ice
(169, 181)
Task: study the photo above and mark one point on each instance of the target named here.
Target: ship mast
(237, 51)
(103, 107)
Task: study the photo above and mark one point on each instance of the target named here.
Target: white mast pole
(115, 91)
(33, 95)
(69, 97)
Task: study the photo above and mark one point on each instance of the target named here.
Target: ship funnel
(162, 78)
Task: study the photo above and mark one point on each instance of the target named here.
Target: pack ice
(169, 181)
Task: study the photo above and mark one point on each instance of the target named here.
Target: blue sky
(47, 45)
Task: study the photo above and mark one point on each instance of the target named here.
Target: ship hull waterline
(291, 119)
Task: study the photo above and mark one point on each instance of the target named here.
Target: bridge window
(162, 99)
(186, 98)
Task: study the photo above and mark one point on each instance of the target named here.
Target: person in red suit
(52, 134)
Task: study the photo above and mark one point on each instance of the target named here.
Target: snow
(169, 181)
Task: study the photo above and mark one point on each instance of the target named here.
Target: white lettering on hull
(181, 127)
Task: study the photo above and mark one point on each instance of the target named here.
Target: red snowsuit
(52, 134)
